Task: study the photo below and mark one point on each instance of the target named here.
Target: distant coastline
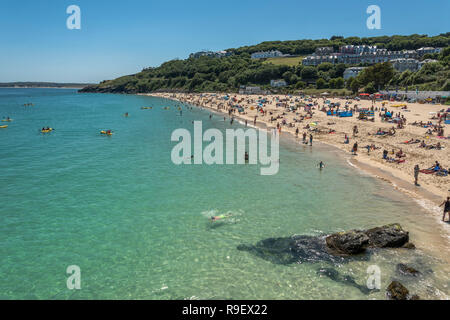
(43, 85)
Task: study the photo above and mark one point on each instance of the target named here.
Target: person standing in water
(446, 205)
(321, 165)
(310, 139)
(416, 174)
(355, 148)
(304, 137)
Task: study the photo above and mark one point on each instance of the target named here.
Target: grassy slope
(288, 61)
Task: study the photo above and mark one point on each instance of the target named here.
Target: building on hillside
(324, 51)
(425, 50)
(352, 72)
(216, 54)
(422, 63)
(278, 83)
(365, 49)
(251, 90)
(315, 60)
(404, 64)
(268, 54)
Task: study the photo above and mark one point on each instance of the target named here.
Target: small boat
(47, 130)
(4, 127)
(7, 120)
(107, 132)
(146, 108)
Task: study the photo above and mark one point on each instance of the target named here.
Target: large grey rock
(356, 241)
(389, 236)
(350, 242)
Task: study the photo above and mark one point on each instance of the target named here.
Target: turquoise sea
(138, 226)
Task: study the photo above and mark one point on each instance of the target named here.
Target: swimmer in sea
(220, 217)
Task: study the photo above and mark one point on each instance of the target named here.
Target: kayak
(3, 127)
(105, 132)
(145, 108)
(46, 131)
(7, 120)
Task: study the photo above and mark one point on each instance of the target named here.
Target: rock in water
(396, 291)
(405, 270)
(334, 275)
(295, 249)
(409, 245)
(347, 243)
(356, 241)
(389, 236)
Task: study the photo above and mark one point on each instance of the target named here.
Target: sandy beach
(332, 130)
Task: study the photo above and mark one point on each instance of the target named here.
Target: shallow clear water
(138, 226)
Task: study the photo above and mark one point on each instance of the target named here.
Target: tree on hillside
(309, 73)
(320, 84)
(379, 75)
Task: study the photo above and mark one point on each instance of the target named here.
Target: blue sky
(122, 37)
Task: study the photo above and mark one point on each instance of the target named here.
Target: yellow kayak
(3, 127)
(105, 132)
(47, 130)
(7, 120)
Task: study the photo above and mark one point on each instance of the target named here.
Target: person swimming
(220, 217)
(321, 165)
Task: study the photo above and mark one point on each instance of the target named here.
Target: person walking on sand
(446, 205)
(304, 137)
(416, 174)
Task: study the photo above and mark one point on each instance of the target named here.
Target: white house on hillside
(278, 83)
(267, 54)
(352, 72)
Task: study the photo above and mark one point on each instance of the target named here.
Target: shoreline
(427, 196)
